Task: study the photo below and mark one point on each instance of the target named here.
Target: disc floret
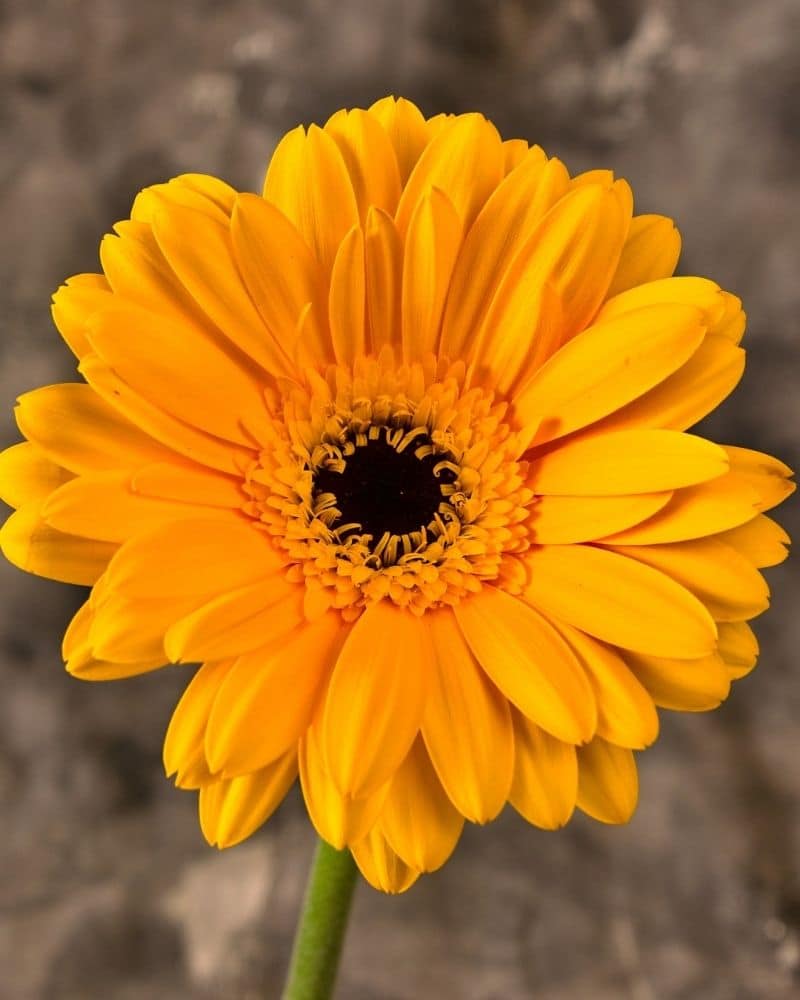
(461, 446)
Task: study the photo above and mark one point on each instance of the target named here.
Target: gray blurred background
(107, 890)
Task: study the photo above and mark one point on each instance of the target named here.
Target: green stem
(323, 922)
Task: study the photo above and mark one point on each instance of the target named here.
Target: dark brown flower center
(382, 489)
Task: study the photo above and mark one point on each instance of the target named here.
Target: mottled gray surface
(108, 891)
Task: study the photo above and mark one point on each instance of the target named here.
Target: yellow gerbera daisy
(398, 450)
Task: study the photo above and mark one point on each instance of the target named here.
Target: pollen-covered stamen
(386, 486)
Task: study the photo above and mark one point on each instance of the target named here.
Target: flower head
(398, 452)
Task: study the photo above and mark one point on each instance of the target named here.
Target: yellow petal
(692, 392)
(31, 544)
(103, 506)
(637, 461)
(201, 253)
(702, 293)
(231, 810)
(380, 866)
(86, 667)
(651, 251)
(436, 123)
(184, 752)
(77, 631)
(682, 685)
(618, 600)
(338, 819)
(210, 196)
(514, 152)
(762, 541)
(626, 715)
(529, 662)
(545, 782)
(269, 696)
(74, 303)
(624, 195)
(733, 320)
(82, 664)
(738, 648)
(560, 519)
(211, 188)
(418, 819)
(695, 511)
(279, 271)
(236, 621)
(346, 303)
(383, 254)
(308, 181)
(608, 784)
(727, 583)
(523, 326)
(575, 247)
(188, 483)
(27, 475)
(122, 403)
(137, 270)
(497, 235)
(192, 377)
(375, 701)
(598, 176)
(607, 366)
(369, 157)
(432, 242)
(464, 160)
(131, 630)
(197, 558)
(405, 125)
(75, 428)
(466, 725)
(768, 476)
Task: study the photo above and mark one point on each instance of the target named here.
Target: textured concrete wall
(107, 890)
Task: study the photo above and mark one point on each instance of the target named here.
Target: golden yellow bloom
(398, 450)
